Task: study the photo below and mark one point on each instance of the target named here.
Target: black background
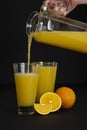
(72, 66)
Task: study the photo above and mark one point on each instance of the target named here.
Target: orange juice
(73, 40)
(26, 88)
(46, 82)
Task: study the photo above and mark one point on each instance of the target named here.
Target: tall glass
(47, 78)
(26, 82)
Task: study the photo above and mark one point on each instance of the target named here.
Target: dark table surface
(72, 119)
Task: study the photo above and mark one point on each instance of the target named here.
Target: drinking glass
(47, 78)
(26, 83)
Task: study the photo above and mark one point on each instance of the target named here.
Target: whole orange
(67, 95)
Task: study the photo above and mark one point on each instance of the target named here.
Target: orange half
(42, 109)
(51, 98)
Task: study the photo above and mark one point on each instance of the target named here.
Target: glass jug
(58, 31)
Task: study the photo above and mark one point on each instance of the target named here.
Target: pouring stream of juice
(29, 49)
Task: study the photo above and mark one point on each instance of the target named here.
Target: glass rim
(47, 63)
(41, 63)
(23, 67)
(24, 63)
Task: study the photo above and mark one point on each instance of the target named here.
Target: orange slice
(51, 98)
(43, 109)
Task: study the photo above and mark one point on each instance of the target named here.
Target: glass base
(26, 110)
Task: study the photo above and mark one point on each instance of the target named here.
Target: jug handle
(31, 22)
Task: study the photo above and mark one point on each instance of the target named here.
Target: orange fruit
(51, 98)
(67, 95)
(42, 109)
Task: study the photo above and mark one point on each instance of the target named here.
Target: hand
(70, 5)
(60, 7)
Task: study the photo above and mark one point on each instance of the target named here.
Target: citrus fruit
(51, 98)
(67, 95)
(42, 109)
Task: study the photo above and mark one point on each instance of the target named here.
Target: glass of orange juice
(26, 82)
(47, 78)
